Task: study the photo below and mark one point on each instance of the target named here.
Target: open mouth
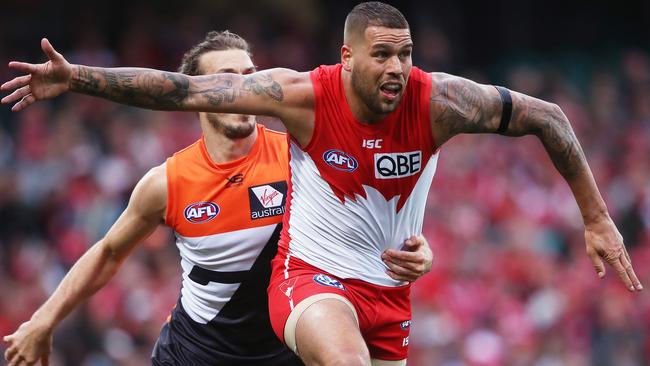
(391, 90)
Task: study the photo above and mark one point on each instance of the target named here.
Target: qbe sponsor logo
(326, 280)
(397, 165)
(200, 212)
(340, 160)
(267, 200)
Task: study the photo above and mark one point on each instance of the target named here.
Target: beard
(371, 97)
(234, 127)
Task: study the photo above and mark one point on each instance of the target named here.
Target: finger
(24, 103)
(16, 83)
(8, 338)
(400, 256)
(49, 50)
(23, 67)
(622, 272)
(18, 94)
(627, 264)
(403, 270)
(597, 262)
(397, 277)
(10, 353)
(411, 244)
(17, 361)
(45, 360)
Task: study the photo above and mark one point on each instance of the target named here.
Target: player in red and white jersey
(364, 139)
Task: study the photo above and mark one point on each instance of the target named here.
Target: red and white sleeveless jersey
(358, 189)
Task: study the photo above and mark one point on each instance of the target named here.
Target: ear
(346, 57)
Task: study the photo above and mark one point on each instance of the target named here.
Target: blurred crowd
(510, 284)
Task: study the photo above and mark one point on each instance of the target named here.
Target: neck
(359, 109)
(223, 149)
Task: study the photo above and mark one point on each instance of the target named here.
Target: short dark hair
(374, 13)
(214, 41)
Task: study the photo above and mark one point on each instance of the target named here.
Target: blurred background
(510, 285)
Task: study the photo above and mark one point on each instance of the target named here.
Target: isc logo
(397, 165)
(199, 212)
(339, 160)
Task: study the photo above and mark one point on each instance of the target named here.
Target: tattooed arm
(462, 106)
(282, 93)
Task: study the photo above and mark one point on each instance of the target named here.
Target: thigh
(327, 332)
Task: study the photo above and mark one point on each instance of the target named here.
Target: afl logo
(326, 280)
(340, 160)
(405, 325)
(199, 212)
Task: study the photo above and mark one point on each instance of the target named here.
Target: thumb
(411, 244)
(598, 264)
(50, 52)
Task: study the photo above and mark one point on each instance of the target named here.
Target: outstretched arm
(282, 93)
(462, 106)
(32, 341)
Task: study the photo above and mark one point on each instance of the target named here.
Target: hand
(605, 242)
(29, 344)
(43, 81)
(410, 263)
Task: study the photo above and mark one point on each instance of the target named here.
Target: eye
(405, 54)
(381, 54)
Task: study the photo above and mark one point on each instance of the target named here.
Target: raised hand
(605, 242)
(410, 263)
(41, 81)
(30, 343)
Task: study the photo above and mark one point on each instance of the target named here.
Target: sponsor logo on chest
(267, 200)
(397, 165)
(200, 212)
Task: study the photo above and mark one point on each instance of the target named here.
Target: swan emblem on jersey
(326, 280)
(340, 160)
(200, 212)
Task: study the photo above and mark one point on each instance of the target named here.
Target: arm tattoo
(264, 84)
(459, 106)
(462, 106)
(138, 87)
(222, 88)
(550, 125)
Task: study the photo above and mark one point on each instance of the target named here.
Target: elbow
(551, 118)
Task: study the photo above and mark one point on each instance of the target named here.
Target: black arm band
(506, 111)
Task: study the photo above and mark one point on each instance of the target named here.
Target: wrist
(43, 321)
(596, 218)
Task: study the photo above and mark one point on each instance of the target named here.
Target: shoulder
(150, 193)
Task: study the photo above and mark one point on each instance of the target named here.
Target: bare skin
(376, 67)
(32, 341)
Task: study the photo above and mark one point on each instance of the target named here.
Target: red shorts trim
(384, 312)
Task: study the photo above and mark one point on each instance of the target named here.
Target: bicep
(144, 212)
(460, 105)
(271, 92)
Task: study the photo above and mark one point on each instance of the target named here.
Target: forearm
(91, 272)
(551, 126)
(257, 93)
(138, 87)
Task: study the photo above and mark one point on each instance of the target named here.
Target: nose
(394, 66)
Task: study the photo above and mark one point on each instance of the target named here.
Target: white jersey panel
(347, 239)
(227, 252)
